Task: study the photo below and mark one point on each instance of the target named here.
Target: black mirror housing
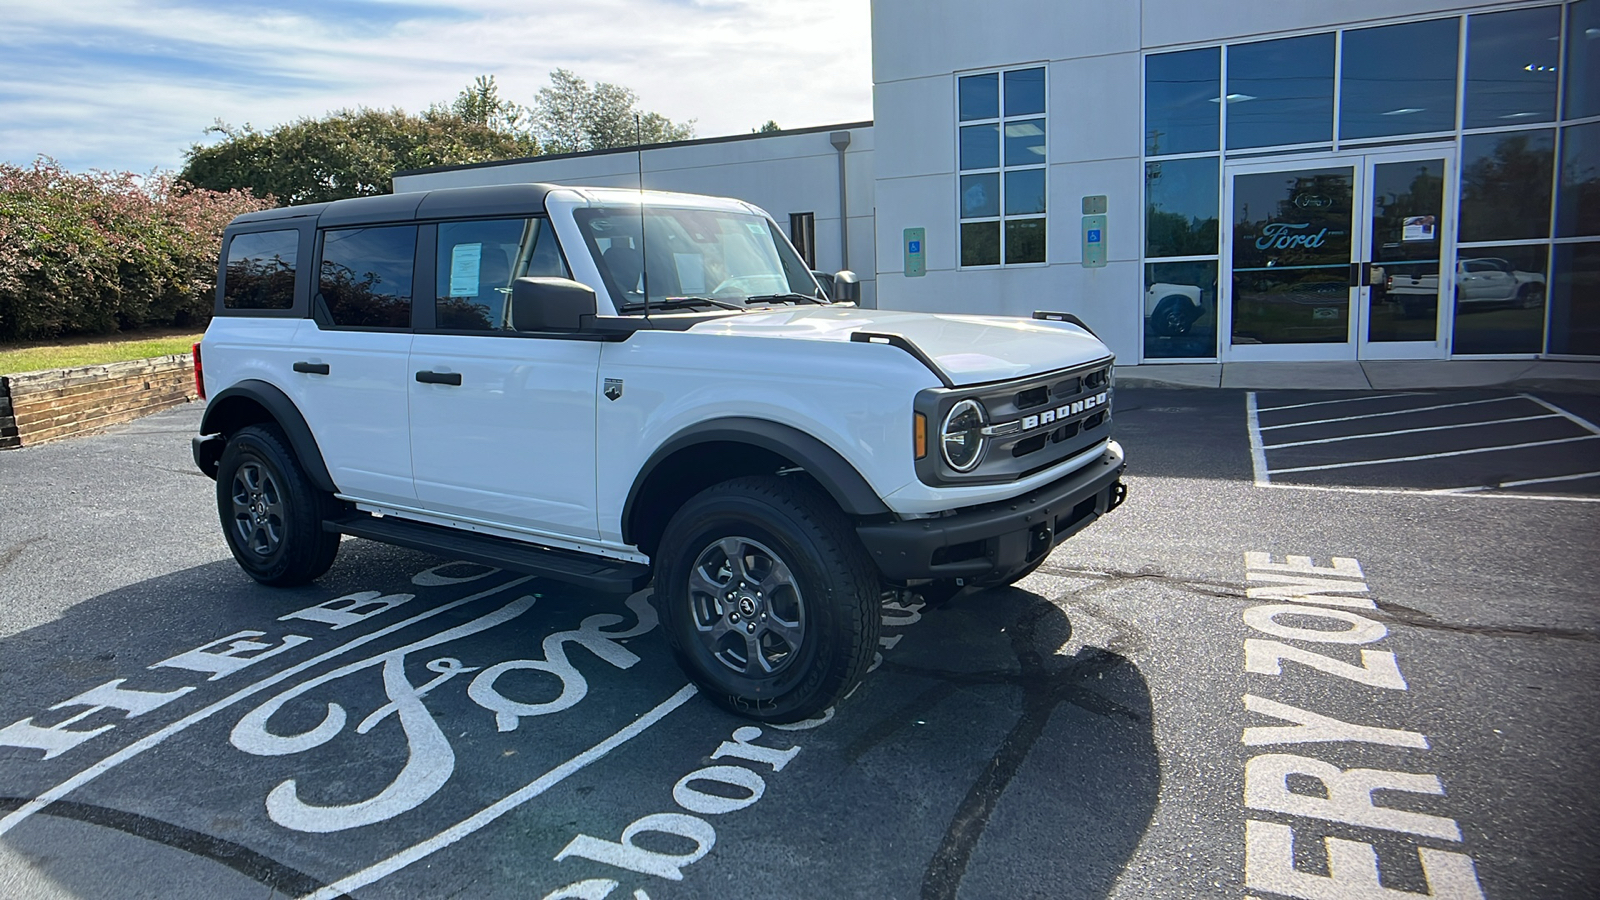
(846, 287)
(551, 304)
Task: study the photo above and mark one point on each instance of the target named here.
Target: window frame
(1000, 121)
(424, 316)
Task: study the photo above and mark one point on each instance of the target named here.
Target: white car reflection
(1172, 309)
(1481, 282)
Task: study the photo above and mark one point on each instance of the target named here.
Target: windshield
(694, 258)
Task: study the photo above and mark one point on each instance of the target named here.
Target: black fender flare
(831, 470)
(219, 417)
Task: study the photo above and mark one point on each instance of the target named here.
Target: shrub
(107, 251)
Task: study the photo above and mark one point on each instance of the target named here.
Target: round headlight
(961, 439)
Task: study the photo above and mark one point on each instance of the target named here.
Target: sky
(130, 85)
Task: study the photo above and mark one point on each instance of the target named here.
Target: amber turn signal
(921, 431)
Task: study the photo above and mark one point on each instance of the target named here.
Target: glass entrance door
(1404, 257)
(1337, 257)
(1293, 241)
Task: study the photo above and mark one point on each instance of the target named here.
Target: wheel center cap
(747, 606)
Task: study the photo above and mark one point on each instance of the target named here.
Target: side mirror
(846, 287)
(550, 304)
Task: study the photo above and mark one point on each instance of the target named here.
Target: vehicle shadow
(992, 760)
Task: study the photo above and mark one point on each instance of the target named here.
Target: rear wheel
(1172, 316)
(271, 512)
(767, 597)
(1530, 295)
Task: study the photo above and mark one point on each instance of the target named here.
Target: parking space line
(1578, 477)
(1519, 483)
(1421, 456)
(1344, 400)
(22, 813)
(1448, 492)
(1376, 434)
(504, 805)
(1398, 412)
(1576, 420)
(1258, 453)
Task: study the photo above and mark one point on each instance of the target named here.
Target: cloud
(126, 85)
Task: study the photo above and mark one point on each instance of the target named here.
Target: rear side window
(477, 261)
(260, 270)
(366, 276)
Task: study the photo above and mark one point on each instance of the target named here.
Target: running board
(591, 573)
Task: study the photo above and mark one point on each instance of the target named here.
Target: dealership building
(1248, 180)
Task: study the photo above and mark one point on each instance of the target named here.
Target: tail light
(199, 373)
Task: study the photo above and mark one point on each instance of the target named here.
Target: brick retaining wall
(43, 406)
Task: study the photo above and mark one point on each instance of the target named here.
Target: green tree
(767, 127)
(480, 103)
(354, 153)
(571, 116)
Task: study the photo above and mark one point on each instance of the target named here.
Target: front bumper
(991, 542)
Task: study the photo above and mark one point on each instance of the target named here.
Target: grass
(93, 350)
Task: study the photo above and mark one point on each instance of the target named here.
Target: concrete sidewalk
(1382, 375)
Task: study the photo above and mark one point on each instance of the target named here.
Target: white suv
(607, 387)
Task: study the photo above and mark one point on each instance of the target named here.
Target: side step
(592, 573)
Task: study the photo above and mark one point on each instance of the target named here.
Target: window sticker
(465, 262)
(759, 229)
(691, 272)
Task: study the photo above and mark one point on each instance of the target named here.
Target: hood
(969, 349)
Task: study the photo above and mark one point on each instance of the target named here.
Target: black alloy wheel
(271, 512)
(768, 598)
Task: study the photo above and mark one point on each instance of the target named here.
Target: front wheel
(271, 512)
(768, 598)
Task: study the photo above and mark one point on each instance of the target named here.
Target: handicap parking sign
(915, 247)
(1094, 236)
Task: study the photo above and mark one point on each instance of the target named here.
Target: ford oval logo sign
(1312, 201)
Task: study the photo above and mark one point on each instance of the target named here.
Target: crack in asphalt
(15, 550)
(1395, 614)
(241, 859)
(1043, 691)
(1388, 612)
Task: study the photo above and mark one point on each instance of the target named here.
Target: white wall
(782, 173)
(1095, 90)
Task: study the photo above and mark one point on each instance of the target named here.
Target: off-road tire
(271, 512)
(829, 578)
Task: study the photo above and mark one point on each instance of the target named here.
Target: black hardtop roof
(443, 203)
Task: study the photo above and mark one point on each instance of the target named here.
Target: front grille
(1035, 423)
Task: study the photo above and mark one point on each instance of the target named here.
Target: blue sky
(125, 85)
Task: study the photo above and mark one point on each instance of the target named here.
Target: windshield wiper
(792, 295)
(679, 303)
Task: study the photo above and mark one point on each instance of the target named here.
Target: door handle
(427, 377)
(311, 368)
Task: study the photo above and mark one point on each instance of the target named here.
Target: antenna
(644, 258)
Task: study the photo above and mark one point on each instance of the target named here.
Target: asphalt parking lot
(1224, 689)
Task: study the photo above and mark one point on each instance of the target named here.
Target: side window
(366, 276)
(477, 261)
(260, 270)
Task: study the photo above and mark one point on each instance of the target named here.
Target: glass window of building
(1280, 92)
(1582, 70)
(1575, 299)
(1180, 215)
(1512, 67)
(979, 96)
(1505, 185)
(1499, 299)
(1398, 79)
(1182, 100)
(1578, 200)
(1180, 310)
(1002, 153)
